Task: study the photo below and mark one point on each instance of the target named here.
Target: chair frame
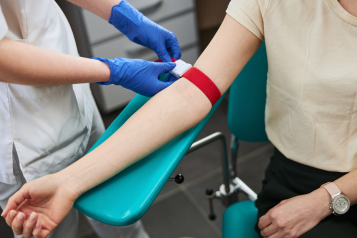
(232, 185)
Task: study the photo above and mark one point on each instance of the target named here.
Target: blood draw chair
(124, 199)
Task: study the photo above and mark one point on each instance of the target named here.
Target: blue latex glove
(141, 30)
(170, 78)
(137, 75)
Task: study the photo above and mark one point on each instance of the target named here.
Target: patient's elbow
(196, 102)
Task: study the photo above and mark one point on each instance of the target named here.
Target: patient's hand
(48, 198)
(295, 216)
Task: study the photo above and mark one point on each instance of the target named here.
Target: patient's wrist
(322, 200)
(68, 184)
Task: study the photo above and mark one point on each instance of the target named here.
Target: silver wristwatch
(339, 203)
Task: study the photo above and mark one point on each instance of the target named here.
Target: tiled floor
(181, 210)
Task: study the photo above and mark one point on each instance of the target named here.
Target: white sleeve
(3, 25)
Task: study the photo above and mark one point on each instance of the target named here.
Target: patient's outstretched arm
(168, 114)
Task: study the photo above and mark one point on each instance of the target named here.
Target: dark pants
(285, 179)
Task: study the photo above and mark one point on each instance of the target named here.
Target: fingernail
(12, 214)
(20, 217)
(32, 216)
(38, 224)
(2, 214)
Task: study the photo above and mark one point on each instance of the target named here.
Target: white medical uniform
(45, 129)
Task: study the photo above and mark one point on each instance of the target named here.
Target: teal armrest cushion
(124, 199)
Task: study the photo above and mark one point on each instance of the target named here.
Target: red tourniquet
(204, 83)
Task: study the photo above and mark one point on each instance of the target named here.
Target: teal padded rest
(124, 199)
(247, 96)
(239, 220)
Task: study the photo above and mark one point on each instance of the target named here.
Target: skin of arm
(30, 65)
(350, 6)
(291, 217)
(101, 8)
(25, 64)
(287, 219)
(173, 111)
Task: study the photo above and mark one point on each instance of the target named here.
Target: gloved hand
(169, 77)
(138, 75)
(143, 31)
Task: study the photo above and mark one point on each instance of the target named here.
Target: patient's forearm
(169, 113)
(347, 184)
(165, 116)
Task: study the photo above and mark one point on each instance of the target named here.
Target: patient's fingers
(10, 217)
(29, 225)
(17, 223)
(38, 232)
(16, 200)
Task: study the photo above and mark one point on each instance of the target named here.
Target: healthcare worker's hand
(39, 207)
(138, 75)
(143, 31)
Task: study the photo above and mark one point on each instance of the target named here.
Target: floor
(181, 210)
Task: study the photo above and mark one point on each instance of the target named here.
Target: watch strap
(332, 189)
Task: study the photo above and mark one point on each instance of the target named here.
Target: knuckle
(273, 215)
(281, 223)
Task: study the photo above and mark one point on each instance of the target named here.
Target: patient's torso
(311, 110)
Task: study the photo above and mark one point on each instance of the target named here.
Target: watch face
(341, 204)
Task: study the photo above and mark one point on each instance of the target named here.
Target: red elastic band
(204, 83)
(159, 60)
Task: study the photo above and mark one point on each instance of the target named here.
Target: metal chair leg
(225, 163)
(234, 146)
(228, 191)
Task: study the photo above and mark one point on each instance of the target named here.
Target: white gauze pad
(180, 69)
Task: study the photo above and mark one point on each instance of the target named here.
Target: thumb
(166, 67)
(16, 200)
(170, 78)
